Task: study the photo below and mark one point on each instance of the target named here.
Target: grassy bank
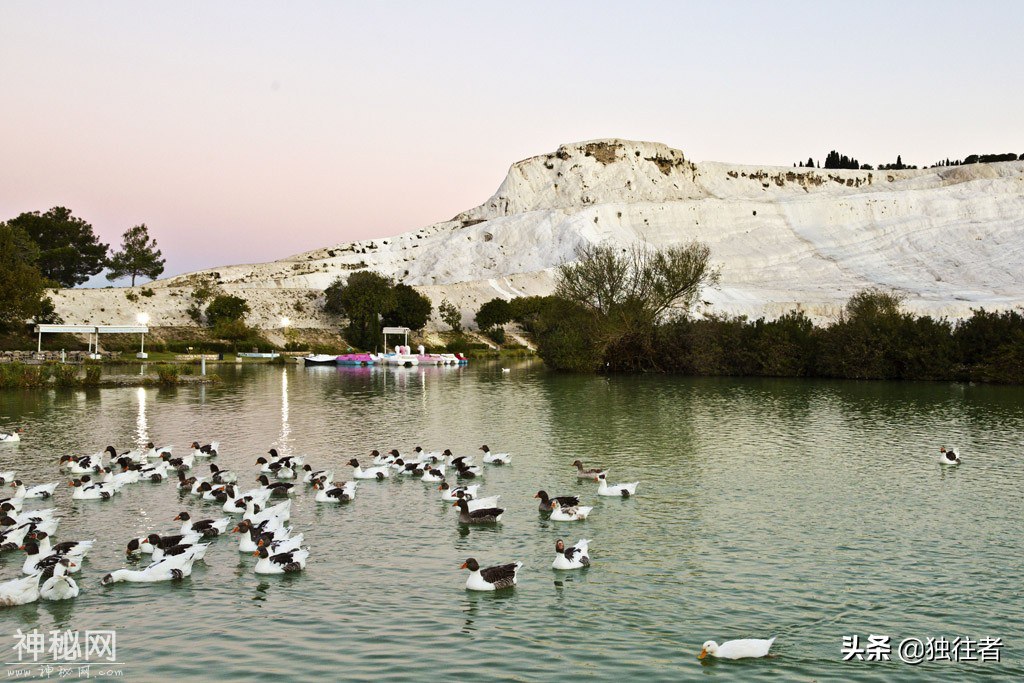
(24, 376)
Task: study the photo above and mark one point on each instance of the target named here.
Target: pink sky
(250, 131)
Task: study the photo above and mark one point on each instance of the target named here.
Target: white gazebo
(94, 332)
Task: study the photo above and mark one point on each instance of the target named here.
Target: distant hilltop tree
(836, 160)
(138, 256)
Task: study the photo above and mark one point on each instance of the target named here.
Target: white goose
(11, 437)
(250, 534)
(495, 458)
(90, 490)
(20, 591)
(490, 578)
(575, 513)
(618, 490)
(170, 568)
(281, 563)
(38, 547)
(59, 586)
(35, 492)
(7, 476)
(378, 473)
(207, 451)
(312, 475)
(949, 456)
(206, 527)
(332, 493)
(451, 494)
(433, 474)
(237, 503)
(737, 649)
(281, 510)
(197, 550)
(574, 557)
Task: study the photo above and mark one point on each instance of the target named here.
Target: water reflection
(141, 426)
(284, 440)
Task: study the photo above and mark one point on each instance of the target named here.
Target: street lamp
(142, 319)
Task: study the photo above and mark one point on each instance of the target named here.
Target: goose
(198, 551)
(587, 474)
(434, 457)
(335, 493)
(236, 504)
(11, 437)
(564, 501)
(207, 490)
(207, 451)
(450, 493)
(481, 516)
(495, 458)
(20, 591)
(479, 503)
(279, 489)
(154, 452)
(191, 484)
(279, 545)
(281, 510)
(250, 533)
(57, 585)
(207, 527)
(7, 476)
(281, 563)
(38, 547)
(39, 562)
(467, 471)
(221, 476)
(450, 458)
(575, 513)
(184, 461)
(13, 537)
(283, 469)
(574, 557)
(412, 469)
(620, 490)
(385, 459)
(277, 461)
(151, 543)
(433, 474)
(490, 578)
(312, 475)
(172, 568)
(378, 473)
(11, 506)
(35, 492)
(119, 479)
(86, 489)
(737, 649)
(948, 456)
(29, 516)
(154, 473)
(87, 463)
(138, 454)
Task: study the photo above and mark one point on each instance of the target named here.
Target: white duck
(197, 550)
(179, 462)
(170, 568)
(490, 578)
(119, 479)
(575, 513)
(11, 437)
(450, 493)
(574, 557)
(38, 547)
(35, 492)
(495, 458)
(59, 586)
(282, 510)
(149, 545)
(312, 475)
(206, 527)
(433, 474)
(250, 534)
(207, 451)
(280, 563)
(155, 473)
(378, 473)
(27, 517)
(90, 490)
(948, 456)
(222, 476)
(385, 459)
(20, 591)
(618, 490)
(7, 476)
(736, 649)
(332, 493)
(258, 496)
(280, 545)
(13, 537)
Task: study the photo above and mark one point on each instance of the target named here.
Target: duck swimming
(450, 493)
(490, 578)
(495, 458)
(480, 516)
(620, 490)
(56, 583)
(574, 557)
(736, 649)
(208, 528)
(949, 457)
(564, 501)
(378, 473)
(172, 568)
(585, 473)
(281, 563)
(335, 493)
(574, 513)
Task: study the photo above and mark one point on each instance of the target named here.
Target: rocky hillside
(948, 238)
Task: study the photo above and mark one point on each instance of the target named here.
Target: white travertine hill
(949, 239)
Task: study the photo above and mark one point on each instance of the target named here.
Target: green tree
(411, 309)
(363, 299)
(225, 308)
(69, 251)
(138, 256)
(493, 313)
(450, 315)
(21, 283)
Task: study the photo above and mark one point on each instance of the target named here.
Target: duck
(450, 458)
(207, 527)
(207, 490)
(198, 550)
(153, 452)
(56, 583)
(480, 516)
(573, 513)
(251, 533)
(119, 479)
(278, 545)
(411, 469)
(222, 476)
(333, 493)
(564, 501)
(312, 475)
(490, 578)
(278, 489)
(467, 471)
(737, 649)
(13, 537)
(433, 457)
(573, 557)
(587, 474)
(38, 547)
(11, 437)
(155, 473)
(948, 456)
(207, 451)
(495, 458)
(378, 473)
(86, 489)
(6, 477)
(234, 502)
(620, 490)
(138, 454)
(15, 517)
(11, 506)
(385, 459)
(191, 484)
(182, 462)
(20, 591)
(281, 563)
(433, 474)
(450, 493)
(87, 463)
(153, 542)
(255, 515)
(171, 568)
(479, 503)
(38, 492)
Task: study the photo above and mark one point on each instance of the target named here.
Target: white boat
(320, 359)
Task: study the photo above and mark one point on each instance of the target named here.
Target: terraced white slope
(950, 239)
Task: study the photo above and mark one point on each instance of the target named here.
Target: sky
(249, 131)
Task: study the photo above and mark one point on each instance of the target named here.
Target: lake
(807, 510)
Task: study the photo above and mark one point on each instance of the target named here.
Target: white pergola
(94, 332)
(403, 331)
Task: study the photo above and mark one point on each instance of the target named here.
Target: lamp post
(142, 319)
(285, 323)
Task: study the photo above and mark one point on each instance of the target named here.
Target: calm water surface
(806, 510)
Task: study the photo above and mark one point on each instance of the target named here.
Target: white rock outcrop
(950, 239)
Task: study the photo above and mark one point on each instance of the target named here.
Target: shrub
(493, 313)
(147, 292)
(225, 308)
(450, 315)
(167, 374)
(65, 375)
(92, 375)
(496, 335)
